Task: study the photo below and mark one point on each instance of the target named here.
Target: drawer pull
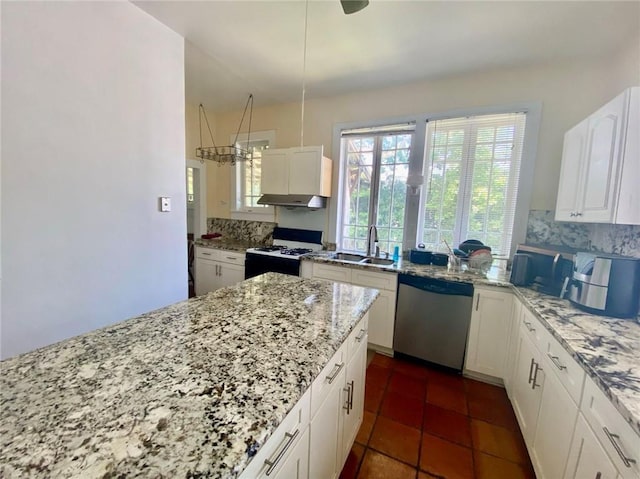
(528, 325)
(613, 438)
(205, 254)
(233, 258)
(362, 334)
(334, 373)
(272, 463)
(556, 361)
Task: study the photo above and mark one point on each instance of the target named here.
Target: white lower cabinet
(618, 439)
(313, 441)
(287, 449)
(587, 459)
(325, 432)
(353, 410)
(512, 349)
(296, 466)
(382, 315)
(528, 380)
(336, 420)
(554, 429)
(215, 269)
(489, 332)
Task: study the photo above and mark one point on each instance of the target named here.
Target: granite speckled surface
(254, 232)
(190, 390)
(226, 244)
(607, 348)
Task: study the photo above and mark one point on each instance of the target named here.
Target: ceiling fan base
(353, 6)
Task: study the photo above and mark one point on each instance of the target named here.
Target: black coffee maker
(542, 267)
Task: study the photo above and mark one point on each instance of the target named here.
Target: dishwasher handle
(437, 286)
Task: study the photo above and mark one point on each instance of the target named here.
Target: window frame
(376, 172)
(463, 209)
(237, 209)
(416, 166)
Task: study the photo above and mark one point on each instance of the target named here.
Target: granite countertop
(190, 390)
(403, 266)
(607, 348)
(227, 244)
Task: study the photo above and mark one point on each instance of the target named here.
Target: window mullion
(375, 178)
(466, 181)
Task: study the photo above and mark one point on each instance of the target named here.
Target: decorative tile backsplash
(616, 239)
(259, 232)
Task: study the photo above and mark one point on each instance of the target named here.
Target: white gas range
(284, 256)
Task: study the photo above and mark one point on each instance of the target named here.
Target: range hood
(304, 201)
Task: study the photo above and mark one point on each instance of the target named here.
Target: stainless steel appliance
(432, 320)
(606, 284)
(284, 255)
(542, 267)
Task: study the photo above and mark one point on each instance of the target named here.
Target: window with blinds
(472, 168)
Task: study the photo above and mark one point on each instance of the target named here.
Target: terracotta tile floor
(421, 423)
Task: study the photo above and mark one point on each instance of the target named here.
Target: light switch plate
(165, 204)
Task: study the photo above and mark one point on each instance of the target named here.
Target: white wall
(92, 134)
(568, 92)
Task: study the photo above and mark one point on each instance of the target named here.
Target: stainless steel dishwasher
(432, 319)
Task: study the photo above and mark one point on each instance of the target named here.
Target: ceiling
(237, 47)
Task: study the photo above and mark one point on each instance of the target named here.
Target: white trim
(200, 227)
(527, 165)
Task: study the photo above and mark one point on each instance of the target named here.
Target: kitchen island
(190, 390)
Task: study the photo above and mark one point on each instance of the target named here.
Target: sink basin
(349, 257)
(380, 261)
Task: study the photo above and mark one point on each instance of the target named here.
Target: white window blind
(472, 171)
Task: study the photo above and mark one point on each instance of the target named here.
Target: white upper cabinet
(296, 171)
(275, 172)
(601, 165)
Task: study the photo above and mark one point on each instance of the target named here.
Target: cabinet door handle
(348, 391)
(219, 270)
(361, 336)
(614, 441)
(529, 327)
(530, 371)
(272, 463)
(535, 377)
(217, 266)
(334, 373)
(556, 361)
(352, 389)
(572, 214)
(477, 301)
(578, 214)
(598, 475)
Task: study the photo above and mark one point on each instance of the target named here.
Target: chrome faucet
(372, 240)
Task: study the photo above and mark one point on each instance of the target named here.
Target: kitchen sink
(349, 257)
(379, 261)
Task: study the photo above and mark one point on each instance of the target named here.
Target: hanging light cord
(304, 71)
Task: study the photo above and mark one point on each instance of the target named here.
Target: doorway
(196, 189)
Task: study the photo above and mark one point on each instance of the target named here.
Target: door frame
(200, 215)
